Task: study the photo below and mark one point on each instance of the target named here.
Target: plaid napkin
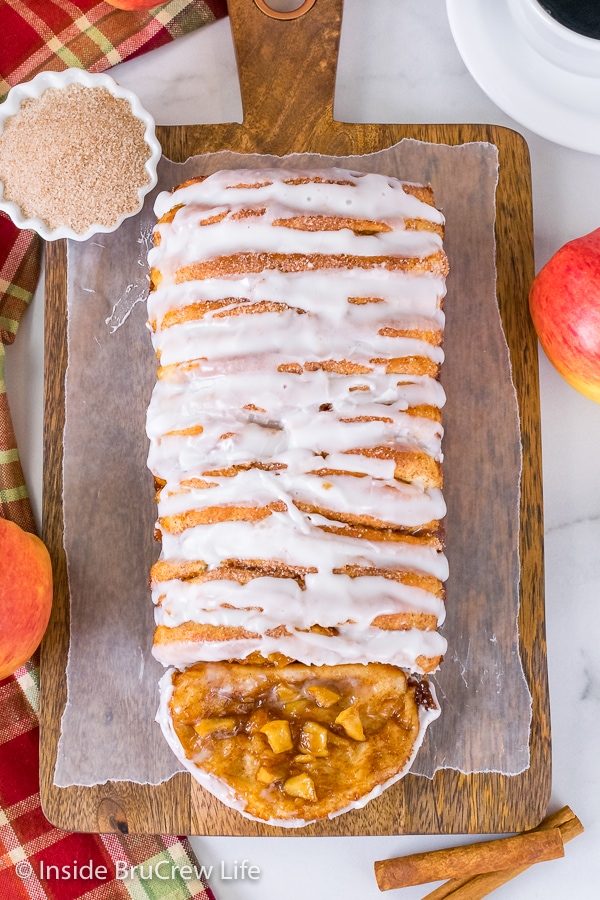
(37, 861)
(37, 35)
(19, 264)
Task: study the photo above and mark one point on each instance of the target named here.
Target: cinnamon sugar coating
(74, 156)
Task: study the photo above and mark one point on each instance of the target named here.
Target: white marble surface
(398, 63)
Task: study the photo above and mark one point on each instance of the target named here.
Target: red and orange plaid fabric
(56, 34)
(37, 861)
(19, 265)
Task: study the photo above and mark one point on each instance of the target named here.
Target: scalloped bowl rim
(35, 88)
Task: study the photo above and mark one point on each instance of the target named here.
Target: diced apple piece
(296, 707)
(279, 660)
(278, 735)
(211, 726)
(256, 721)
(313, 739)
(285, 693)
(304, 758)
(300, 786)
(349, 719)
(265, 776)
(324, 697)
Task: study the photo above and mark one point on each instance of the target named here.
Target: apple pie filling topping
(286, 739)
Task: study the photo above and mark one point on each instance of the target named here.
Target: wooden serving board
(287, 75)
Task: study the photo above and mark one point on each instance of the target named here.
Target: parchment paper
(108, 730)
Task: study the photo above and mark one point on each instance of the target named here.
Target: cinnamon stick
(469, 860)
(479, 886)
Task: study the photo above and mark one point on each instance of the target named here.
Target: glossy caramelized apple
(298, 742)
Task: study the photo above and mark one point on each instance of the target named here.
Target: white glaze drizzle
(305, 545)
(271, 601)
(371, 197)
(399, 297)
(352, 645)
(395, 503)
(223, 375)
(250, 334)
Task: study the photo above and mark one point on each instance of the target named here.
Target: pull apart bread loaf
(295, 440)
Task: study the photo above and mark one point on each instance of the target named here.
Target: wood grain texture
(287, 75)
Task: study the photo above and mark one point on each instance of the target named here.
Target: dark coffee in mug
(582, 16)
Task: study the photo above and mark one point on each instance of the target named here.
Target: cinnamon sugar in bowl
(78, 154)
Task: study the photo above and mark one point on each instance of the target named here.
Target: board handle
(286, 69)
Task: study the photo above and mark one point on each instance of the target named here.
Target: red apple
(25, 595)
(565, 307)
(136, 4)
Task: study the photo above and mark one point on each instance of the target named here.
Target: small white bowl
(35, 88)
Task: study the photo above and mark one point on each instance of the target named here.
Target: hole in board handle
(282, 14)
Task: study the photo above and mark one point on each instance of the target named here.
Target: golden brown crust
(333, 223)
(199, 483)
(409, 365)
(202, 632)
(212, 220)
(155, 278)
(317, 179)
(368, 533)
(423, 192)
(197, 632)
(425, 412)
(185, 432)
(232, 471)
(411, 465)
(412, 579)
(248, 213)
(196, 311)
(370, 521)
(250, 263)
(435, 338)
(251, 185)
(429, 664)
(361, 301)
(165, 570)
(211, 514)
(405, 621)
(239, 570)
(424, 225)
(339, 366)
(168, 217)
(197, 180)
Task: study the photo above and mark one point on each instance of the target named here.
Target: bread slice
(295, 442)
(295, 425)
